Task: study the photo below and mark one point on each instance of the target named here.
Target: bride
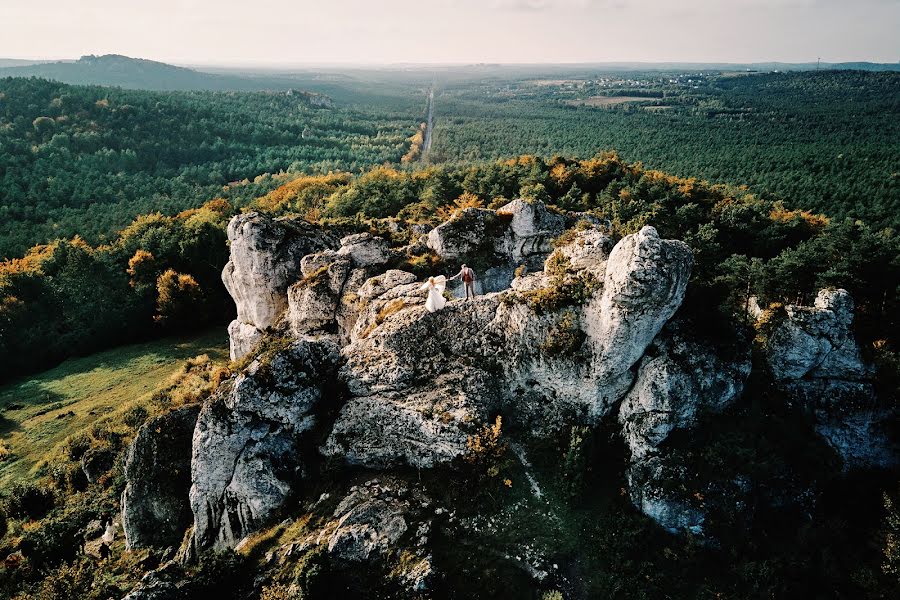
(435, 287)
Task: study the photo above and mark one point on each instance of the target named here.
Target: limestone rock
(246, 457)
(588, 252)
(242, 338)
(531, 229)
(383, 523)
(471, 232)
(646, 279)
(264, 260)
(365, 249)
(815, 359)
(817, 341)
(153, 587)
(313, 301)
(97, 462)
(155, 508)
(677, 381)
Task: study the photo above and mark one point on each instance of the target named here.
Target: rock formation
(248, 443)
(354, 369)
(155, 508)
(815, 359)
(676, 381)
(265, 259)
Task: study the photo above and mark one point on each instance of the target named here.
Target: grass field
(41, 411)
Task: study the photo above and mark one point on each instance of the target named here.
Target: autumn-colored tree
(178, 297)
(142, 270)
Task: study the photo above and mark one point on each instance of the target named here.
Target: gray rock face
(816, 361)
(376, 523)
(419, 381)
(242, 338)
(531, 230)
(246, 456)
(471, 232)
(265, 259)
(677, 381)
(155, 508)
(96, 462)
(313, 301)
(646, 279)
(153, 587)
(365, 249)
(816, 342)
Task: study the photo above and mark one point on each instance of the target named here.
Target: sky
(298, 32)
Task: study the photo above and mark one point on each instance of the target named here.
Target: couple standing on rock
(436, 285)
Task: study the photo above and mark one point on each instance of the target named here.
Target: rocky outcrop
(248, 452)
(420, 381)
(816, 342)
(816, 361)
(385, 522)
(471, 232)
(645, 282)
(96, 462)
(155, 508)
(264, 260)
(677, 381)
(532, 228)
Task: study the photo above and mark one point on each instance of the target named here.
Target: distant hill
(18, 62)
(140, 74)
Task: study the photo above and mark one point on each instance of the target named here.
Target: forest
(81, 160)
(824, 141)
(161, 272)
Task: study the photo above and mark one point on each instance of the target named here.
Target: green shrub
(135, 416)
(565, 338)
(77, 445)
(29, 500)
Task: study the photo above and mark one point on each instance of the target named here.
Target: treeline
(823, 141)
(87, 160)
(69, 297)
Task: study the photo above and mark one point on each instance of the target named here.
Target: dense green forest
(87, 160)
(824, 141)
(162, 272)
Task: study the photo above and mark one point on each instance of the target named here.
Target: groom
(468, 277)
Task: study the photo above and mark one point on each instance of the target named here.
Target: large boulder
(817, 341)
(248, 452)
(532, 228)
(678, 380)
(645, 283)
(365, 249)
(313, 301)
(265, 258)
(816, 361)
(471, 233)
(155, 508)
(384, 523)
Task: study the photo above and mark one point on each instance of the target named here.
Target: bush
(135, 416)
(77, 445)
(485, 449)
(29, 500)
(566, 338)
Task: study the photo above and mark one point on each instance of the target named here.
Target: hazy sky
(386, 31)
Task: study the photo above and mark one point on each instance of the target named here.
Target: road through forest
(429, 124)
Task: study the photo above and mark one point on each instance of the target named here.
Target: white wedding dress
(436, 300)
